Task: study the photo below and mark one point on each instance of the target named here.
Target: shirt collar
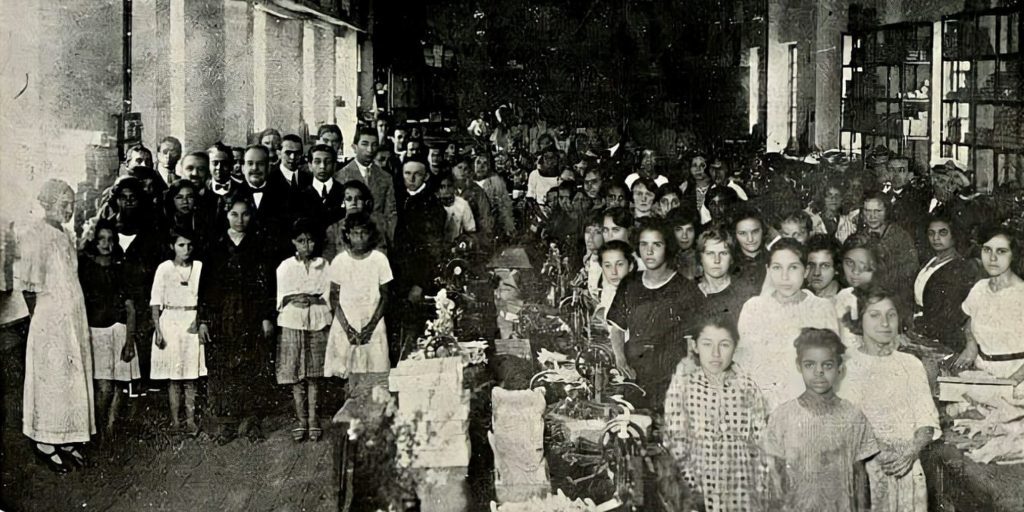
(287, 173)
(319, 186)
(417, 191)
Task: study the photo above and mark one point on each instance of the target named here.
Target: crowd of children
(767, 306)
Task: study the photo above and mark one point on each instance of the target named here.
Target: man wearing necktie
(290, 173)
(323, 200)
(381, 184)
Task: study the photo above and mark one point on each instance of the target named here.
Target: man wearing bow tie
(272, 212)
(221, 186)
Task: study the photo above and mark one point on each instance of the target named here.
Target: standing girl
(767, 323)
(715, 419)
(652, 308)
(357, 344)
(111, 314)
(178, 353)
(304, 318)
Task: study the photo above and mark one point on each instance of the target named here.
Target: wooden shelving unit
(983, 93)
(887, 90)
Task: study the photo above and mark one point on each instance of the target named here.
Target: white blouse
(293, 278)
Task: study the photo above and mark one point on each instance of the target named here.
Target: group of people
(765, 307)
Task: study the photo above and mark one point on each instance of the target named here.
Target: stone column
(277, 72)
(318, 75)
(197, 72)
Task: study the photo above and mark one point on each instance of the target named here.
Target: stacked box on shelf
(433, 403)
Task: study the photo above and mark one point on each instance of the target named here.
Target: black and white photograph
(512, 255)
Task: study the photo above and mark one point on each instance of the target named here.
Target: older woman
(994, 343)
(895, 244)
(891, 388)
(58, 393)
(941, 287)
(644, 191)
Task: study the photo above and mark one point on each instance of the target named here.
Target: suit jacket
(303, 179)
(274, 216)
(325, 211)
(419, 239)
(381, 185)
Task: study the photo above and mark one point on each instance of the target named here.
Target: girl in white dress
(178, 353)
(359, 276)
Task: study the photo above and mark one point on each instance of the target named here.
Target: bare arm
(159, 337)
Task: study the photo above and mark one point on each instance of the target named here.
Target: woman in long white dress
(891, 389)
(58, 391)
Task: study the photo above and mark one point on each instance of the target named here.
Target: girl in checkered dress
(715, 419)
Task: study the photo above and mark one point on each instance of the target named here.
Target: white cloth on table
(359, 282)
(893, 393)
(294, 278)
(107, 344)
(183, 357)
(997, 324)
(767, 330)
(58, 391)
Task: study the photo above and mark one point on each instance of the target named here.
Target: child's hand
(128, 352)
(204, 334)
(193, 328)
(158, 339)
(301, 301)
(268, 329)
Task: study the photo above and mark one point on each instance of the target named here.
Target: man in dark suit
(290, 173)
(220, 187)
(380, 183)
(272, 213)
(323, 200)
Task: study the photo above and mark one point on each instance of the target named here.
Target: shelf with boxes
(983, 93)
(887, 90)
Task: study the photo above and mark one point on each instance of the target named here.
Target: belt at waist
(179, 308)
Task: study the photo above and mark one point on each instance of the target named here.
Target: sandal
(315, 433)
(299, 432)
(191, 428)
(58, 466)
(77, 459)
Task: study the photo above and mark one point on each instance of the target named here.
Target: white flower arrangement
(556, 503)
(439, 339)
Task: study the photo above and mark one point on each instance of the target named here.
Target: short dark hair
(594, 219)
(322, 148)
(138, 148)
(361, 220)
(621, 216)
(616, 245)
(682, 216)
(866, 296)
(328, 128)
(656, 224)
(304, 225)
(363, 190)
(821, 242)
(648, 183)
(718, 320)
(569, 186)
(291, 137)
(788, 244)
(363, 130)
(747, 214)
(665, 190)
(989, 232)
(811, 337)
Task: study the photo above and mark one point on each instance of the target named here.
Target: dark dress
(141, 258)
(942, 318)
(728, 303)
(236, 293)
(103, 289)
(658, 321)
